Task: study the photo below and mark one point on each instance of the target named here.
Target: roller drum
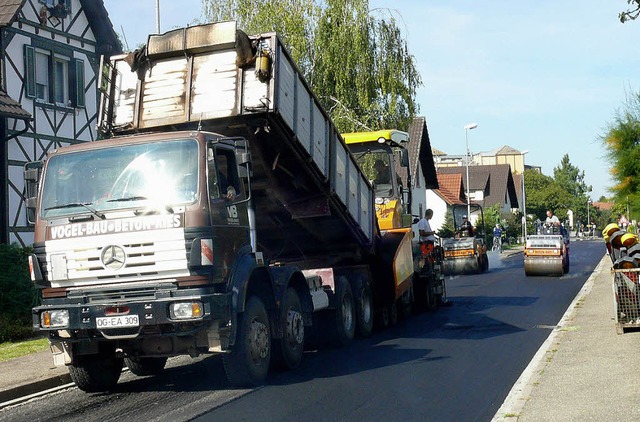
(543, 266)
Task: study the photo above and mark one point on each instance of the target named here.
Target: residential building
(51, 52)
(488, 185)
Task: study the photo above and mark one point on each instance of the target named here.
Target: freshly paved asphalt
(583, 371)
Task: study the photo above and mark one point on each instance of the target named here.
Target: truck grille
(116, 258)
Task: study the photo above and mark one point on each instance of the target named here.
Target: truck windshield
(377, 169)
(157, 174)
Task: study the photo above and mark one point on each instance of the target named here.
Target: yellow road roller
(546, 253)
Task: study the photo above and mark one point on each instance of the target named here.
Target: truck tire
(344, 324)
(145, 366)
(383, 317)
(287, 351)
(96, 373)
(364, 308)
(247, 364)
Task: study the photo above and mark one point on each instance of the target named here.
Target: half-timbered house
(50, 68)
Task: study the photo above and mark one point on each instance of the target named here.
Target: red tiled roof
(603, 205)
(450, 190)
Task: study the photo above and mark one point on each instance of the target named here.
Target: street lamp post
(524, 201)
(588, 216)
(467, 128)
(157, 16)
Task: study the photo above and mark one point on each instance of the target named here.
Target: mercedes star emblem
(113, 257)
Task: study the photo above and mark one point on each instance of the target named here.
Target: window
(60, 81)
(42, 77)
(54, 78)
(223, 174)
(53, 3)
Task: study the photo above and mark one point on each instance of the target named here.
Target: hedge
(17, 294)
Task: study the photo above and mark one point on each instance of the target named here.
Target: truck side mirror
(404, 158)
(32, 173)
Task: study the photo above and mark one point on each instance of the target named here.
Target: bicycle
(497, 244)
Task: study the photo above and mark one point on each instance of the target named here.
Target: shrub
(18, 293)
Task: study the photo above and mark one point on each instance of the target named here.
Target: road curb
(9, 395)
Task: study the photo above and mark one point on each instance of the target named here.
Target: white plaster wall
(439, 207)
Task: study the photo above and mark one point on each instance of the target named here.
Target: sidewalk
(584, 371)
(30, 374)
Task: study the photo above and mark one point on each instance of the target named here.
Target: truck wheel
(96, 373)
(364, 308)
(383, 317)
(344, 324)
(287, 352)
(145, 366)
(247, 364)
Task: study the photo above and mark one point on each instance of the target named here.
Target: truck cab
(379, 154)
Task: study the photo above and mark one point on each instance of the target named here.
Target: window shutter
(30, 71)
(77, 83)
(52, 79)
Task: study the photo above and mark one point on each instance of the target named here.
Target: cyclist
(497, 238)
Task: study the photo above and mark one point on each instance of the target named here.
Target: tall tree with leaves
(622, 142)
(544, 193)
(357, 64)
(631, 13)
(571, 178)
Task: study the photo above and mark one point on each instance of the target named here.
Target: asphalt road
(457, 363)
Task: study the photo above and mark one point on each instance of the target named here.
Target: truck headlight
(185, 310)
(57, 318)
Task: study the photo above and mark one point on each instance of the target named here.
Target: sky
(547, 77)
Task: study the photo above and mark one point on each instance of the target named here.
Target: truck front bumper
(133, 317)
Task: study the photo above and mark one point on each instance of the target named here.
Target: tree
(447, 229)
(544, 193)
(631, 13)
(291, 19)
(622, 142)
(357, 64)
(572, 180)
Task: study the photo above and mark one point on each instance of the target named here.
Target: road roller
(466, 252)
(546, 253)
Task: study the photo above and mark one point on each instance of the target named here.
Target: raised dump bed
(215, 78)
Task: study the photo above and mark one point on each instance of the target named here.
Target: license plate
(458, 253)
(118, 321)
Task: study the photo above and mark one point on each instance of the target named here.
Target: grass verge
(20, 348)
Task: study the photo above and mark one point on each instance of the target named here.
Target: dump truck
(466, 253)
(221, 213)
(546, 252)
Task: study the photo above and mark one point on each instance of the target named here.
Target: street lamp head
(471, 126)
